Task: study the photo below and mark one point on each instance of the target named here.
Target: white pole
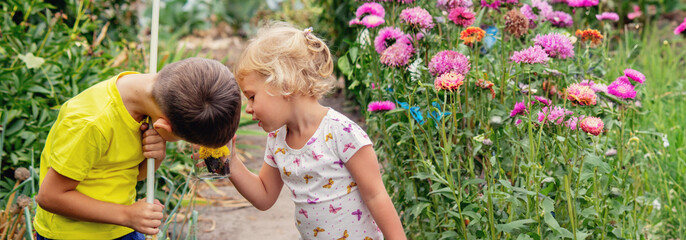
(150, 182)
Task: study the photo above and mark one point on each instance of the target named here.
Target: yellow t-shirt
(97, 142)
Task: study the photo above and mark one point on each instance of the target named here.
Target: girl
(325, 159)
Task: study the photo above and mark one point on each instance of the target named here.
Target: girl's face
(270, 111)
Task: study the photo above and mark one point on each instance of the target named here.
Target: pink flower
(448, 61)
(374, 18)
(622, 88)
(555, 45)
(372, 21)
(462, 16)
(611, 16)
(518, 109)
(572, 122)
(449, 81)
(582, 3)
(581, 94)
(371, 8)
(542, 100)
(531, 55)
(553, 114)
(681, 28)
(418, 17)
(451, 4)
(635, 14)
(389, 36)
(380, 106)
(494, 5)
(592, 125)
(634, 75)
(560, 19)
(398, 54)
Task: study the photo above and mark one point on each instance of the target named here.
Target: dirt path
(237, 219)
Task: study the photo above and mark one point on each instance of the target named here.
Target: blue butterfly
(437, 115)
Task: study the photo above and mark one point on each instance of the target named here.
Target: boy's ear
(162, 123)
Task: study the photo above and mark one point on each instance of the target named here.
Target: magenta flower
(374, 18)
(560, 19)
(582, 3)
(592, 125)
(371, 8)
(380, 106)
(417, 17)
(462, 16)
(449, 81)
(634, 75)
(596, 87)
(681, 29)
(398, 54)
(531, 55)
(622, 88)
(542, 100)
(405, 1)
(387, 37)
(611, 16)
(494, 5)
(518, 109)
(555, 45)
(553, 114)
(449, 61)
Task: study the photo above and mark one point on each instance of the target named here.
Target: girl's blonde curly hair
(294, 61)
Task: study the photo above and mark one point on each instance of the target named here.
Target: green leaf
(344, 65)
(552, 222)
(31, 61)
(514, 225)
(39, 89)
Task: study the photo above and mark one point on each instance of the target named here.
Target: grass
(660, 131)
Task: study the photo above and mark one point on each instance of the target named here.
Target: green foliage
(474, 173)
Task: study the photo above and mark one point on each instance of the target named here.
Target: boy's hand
(144, 217)
(153, 144)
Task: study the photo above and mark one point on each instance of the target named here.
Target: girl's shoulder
(339, 121)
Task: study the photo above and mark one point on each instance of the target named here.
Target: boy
(93, 157)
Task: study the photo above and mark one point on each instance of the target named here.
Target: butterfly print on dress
(312, 140)
(333, 209)
(345, 235)
(286, 172)
(347, 146)
(328, 185)
(351, 185)
(347, 129)
(307, 178)
(318, 230)
(358, 213)
(339, 162)
(303, 212)
(312, 201)
(317, 156)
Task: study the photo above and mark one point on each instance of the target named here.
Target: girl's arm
(260, 190)
(364, 168)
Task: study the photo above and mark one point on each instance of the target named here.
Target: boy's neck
(136, 94)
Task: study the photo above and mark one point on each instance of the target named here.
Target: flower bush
(507, 114)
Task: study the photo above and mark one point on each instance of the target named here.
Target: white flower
(656, 204)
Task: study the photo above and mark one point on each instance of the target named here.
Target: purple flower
(572, 122)
(596, 87)
(681, 29)
(560, 19)
(555, 45)
(494, 5)
(607, 16)
(405, 1)
(418, 17)
(449, 61)
(634, 75)
(462, 16)
(518, 109)
(380, 106)
(451, 4)
(398, 54)
(531, 55)
(582, 3)
(387, 37)
(622, 88)
(371, 8)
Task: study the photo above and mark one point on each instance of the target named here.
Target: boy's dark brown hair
(201, 99)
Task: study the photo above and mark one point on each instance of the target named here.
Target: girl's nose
(248, 109)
